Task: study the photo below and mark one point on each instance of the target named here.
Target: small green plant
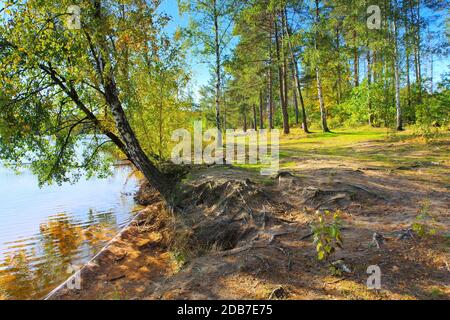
(179, 258)
(327, 234)
(116, 294)
(423, 225)
(268, 182)
(437, 293)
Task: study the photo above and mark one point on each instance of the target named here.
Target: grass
(370, 146)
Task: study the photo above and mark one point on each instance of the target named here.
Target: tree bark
(218, 73)
(127, 141)
(339, 77)
(130, 144)
(355, 60)
(255, 118)
(294, 95)
(417, 67)
(323, 111)
(133, 148)
(261, 112)
(281, 80)
(407, 56)
(298, 89)
(270, 106)
(245, 122)
(286, 124)
(397, 79)
(369, 83)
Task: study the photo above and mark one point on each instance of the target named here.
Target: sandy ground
(262, 248)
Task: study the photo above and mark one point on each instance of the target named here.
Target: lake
(46, 231)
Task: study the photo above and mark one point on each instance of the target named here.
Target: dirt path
(247, 237)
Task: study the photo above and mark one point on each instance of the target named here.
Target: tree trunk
(261, 113)
(245, 123)
(281, 80)
(127, 142)
(133, 149)
(397, 80)
(255, 118)
(408, 82)
(218, 74)
(298, 89)
(408, 61)
(270, 106)
(417, 49)
(271, 111)
(369, 83)
(294, 95)
(224, 112)
(419, 53)
(339, 77)
(323, 111)
(286, 125)
(355, 60)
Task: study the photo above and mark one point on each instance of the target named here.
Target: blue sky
(200, 72)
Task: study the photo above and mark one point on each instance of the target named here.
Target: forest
(359, 91)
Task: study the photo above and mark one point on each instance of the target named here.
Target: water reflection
(33, 263)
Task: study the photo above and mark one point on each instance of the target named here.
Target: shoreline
(142, 237)
(59, 289)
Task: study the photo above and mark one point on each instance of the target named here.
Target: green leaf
(321, 255)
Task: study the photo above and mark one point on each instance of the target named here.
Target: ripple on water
(45, 230)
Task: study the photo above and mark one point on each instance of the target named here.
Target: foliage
(327, 233)
(423, 225)
(434, 112)
(59, 86)
(53, 79)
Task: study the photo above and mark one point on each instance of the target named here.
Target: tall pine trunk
(261, 112)
(355, 59)
(369, 83)
(218, 73)
(323, 111)
(270, 106)
(255, 118)
(397, 79)
(339, 76)
(294, 96)
(298, 89)
(283, 98)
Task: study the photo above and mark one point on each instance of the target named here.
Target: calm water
(44, 231)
